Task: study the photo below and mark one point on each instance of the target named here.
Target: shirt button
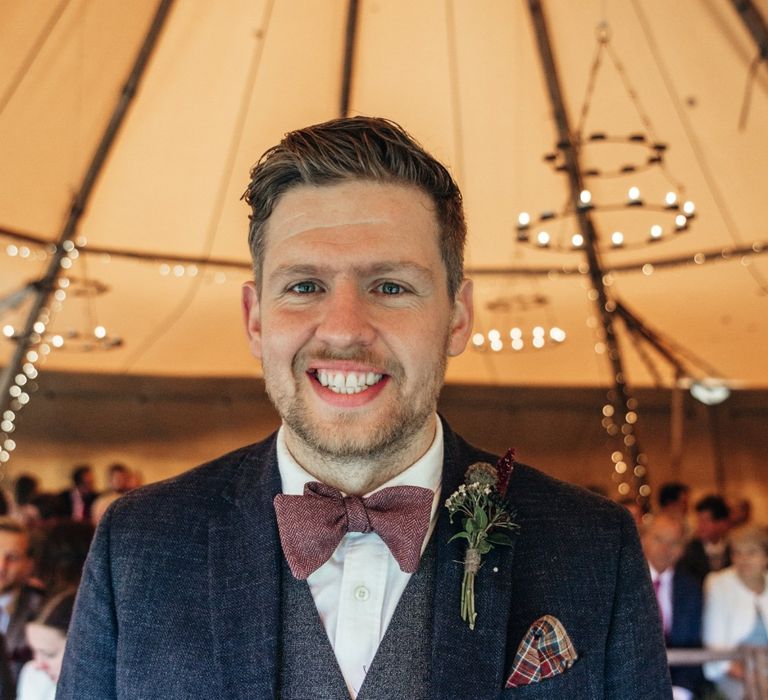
(362, 593)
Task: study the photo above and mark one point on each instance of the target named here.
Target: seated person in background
(120, 479)
(25, 490)
(634, 508)
(19, 602)
(61, 555)
(47, 636)
(736, 606)
(679, 597)
(673, 499)
(75, 503)
(741, 511)
(708, 550)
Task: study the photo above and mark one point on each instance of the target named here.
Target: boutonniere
(480, 501)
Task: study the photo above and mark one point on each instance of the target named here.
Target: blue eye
(304, 288)
(390, 288)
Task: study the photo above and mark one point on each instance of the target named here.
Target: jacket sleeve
(635, 660)
(88, 669)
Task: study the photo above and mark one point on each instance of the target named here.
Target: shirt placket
(361, 603)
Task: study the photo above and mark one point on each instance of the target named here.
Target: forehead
(667, 530)
(43, 636)
(10, 541)
(358, 217)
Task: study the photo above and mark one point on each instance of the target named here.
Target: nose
(345, 317)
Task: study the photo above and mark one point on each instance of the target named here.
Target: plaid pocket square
(546, 651)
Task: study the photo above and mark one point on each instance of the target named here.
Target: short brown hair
(356, 148)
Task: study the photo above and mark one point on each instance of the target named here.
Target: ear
(461, 321)
(252, 317)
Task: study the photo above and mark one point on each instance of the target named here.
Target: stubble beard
(345, 440)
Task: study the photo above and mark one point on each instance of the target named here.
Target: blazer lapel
(468, 663)
(245, 586)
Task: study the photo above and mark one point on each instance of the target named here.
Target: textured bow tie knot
(357, 517)
(312, 525)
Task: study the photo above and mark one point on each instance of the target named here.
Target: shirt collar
(665, 576)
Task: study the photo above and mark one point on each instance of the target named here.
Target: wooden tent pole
(45, 286)
(755, 24)
(353, 12)
(621, 399)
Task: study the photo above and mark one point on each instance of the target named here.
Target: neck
(360, 474)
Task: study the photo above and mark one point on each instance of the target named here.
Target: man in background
(678, 594)
(673, 498)
(119, 478)
(708, 550)
(75, 503)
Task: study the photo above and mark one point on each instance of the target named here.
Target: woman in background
(736, 606)
(47, 637)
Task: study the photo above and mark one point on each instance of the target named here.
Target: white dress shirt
(357, 590)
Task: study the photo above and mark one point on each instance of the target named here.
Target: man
(75, 503)
(679, 597)
(673, 499)
(357, 238)
(19, 602)
(708, 550)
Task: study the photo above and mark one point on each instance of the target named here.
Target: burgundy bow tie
(311, 526)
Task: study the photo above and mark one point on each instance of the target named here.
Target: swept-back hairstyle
(356, 148)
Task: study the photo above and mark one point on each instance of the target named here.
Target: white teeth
(347, 382)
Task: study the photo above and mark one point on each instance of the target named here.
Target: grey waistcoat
(401, 667)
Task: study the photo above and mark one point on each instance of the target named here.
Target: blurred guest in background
(673, 499)
(62, 555)
(708, 550)
(25, 490)
(19, 602)
(736, 606)
(741, 511)
(119, 479)
(679, 597)
(635, 508)
(47, 636)
(75, 503)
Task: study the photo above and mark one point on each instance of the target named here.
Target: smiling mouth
(346, 382)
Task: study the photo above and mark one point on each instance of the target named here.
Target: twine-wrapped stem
(471, 567)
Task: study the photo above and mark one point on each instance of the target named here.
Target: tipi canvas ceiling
(228, 79)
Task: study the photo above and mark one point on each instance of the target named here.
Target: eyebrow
(379, 268)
